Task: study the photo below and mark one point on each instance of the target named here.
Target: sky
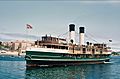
(101, 19)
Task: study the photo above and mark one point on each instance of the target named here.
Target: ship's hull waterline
(62, 63)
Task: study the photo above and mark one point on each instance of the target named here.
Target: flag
(29, 26)
(110, 40)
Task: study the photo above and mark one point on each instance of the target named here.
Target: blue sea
(15, 68)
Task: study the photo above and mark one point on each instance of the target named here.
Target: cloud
(16, 36)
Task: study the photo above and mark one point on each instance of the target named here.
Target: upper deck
(59, 43)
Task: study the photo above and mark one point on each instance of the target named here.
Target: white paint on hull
(48, 50)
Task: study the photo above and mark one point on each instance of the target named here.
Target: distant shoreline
(10, 53)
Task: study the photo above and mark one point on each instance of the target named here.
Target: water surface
(17, 70)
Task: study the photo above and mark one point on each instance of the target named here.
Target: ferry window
(84, 50)
(101, 51)
(51, 38)
(93, 51)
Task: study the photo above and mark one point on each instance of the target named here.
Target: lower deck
(37, 58)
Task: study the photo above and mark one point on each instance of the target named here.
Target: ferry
(54, 51)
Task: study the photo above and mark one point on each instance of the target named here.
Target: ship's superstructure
(57, 51)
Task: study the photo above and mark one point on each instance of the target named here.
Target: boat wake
(108, 62)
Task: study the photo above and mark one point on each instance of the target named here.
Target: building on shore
(18, 44)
